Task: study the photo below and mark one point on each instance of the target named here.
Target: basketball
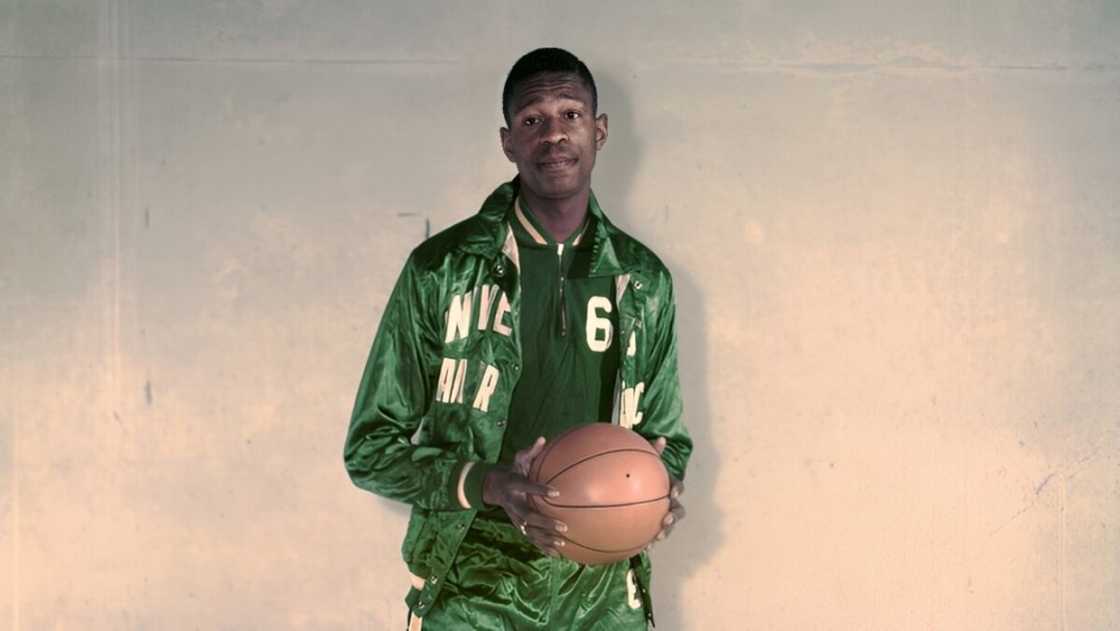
(614, 491)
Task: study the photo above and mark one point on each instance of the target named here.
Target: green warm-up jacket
(436, 388)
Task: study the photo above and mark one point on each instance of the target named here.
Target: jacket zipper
(560, 269)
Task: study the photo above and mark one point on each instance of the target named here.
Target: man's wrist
(474, 484)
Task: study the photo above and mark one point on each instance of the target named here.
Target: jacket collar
(489, 234)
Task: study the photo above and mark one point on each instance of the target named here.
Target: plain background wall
(895, 232)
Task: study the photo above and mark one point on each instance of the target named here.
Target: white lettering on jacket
(460, 314)
(486, 388)
(499, 317)
(458, 318)
(628, 415)
(452, 374)
(599, 328)
(486, 294)
(632, 590)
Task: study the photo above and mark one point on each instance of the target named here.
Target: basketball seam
(554, 505)
(615, 551)
(596, 455)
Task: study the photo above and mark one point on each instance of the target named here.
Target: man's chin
(554, 188)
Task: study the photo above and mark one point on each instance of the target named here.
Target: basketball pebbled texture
(614, 491)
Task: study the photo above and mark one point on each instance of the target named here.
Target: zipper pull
(563, 314)
(563, 311)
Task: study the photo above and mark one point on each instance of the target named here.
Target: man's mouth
(556, 164)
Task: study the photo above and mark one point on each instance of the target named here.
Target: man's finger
(531, 488)
(523, 460)
(549, 544)
(545, 524)
(536, 449)
(527, 455)
(670, 521)
(516, 516)
(659, 445)
(678, 513)
(545, 537)
(675, 515)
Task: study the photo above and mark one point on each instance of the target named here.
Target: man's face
(553, 134)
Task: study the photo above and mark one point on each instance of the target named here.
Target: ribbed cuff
(472, 486)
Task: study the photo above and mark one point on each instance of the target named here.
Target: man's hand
(676, 487)
(511, 488)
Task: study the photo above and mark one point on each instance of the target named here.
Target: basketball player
(530, 317)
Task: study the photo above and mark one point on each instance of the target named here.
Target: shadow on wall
(699, 536)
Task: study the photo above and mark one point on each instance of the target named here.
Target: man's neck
(560, 217)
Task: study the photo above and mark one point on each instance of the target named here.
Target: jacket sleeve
(660, 404)
(382, 451)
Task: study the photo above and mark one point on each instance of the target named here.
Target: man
(533, 316)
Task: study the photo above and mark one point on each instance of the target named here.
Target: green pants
(501, 582)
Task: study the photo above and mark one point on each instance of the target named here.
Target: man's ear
(504, 135)
(600, 131)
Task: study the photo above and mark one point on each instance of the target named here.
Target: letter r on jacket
(486, 388)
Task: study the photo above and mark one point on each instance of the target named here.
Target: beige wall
(895, 233)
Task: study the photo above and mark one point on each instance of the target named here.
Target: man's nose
(553, 131)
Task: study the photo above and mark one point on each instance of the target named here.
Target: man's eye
(573, 115)
(529, 122)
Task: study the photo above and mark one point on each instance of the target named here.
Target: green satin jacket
(436, 388)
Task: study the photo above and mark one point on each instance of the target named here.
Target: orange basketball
(614, 491)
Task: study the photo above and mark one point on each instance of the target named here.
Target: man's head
(547, 60)
(554, 130)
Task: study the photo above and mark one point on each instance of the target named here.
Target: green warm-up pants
(501, 582)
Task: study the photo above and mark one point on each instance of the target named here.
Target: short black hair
(547, 60)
